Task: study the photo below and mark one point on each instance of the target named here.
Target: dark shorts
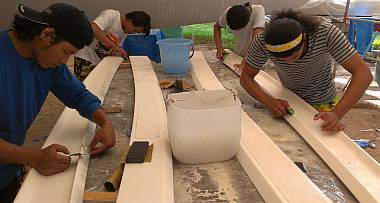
(9, 192)
(82, 68)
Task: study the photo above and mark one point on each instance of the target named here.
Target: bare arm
(13, 154)
(361, 78)
(276, 106)
(46, 161)
(49, 160)
(105, 136)
(218, 41)
(255, 32)
(101, 37)
(251, 86)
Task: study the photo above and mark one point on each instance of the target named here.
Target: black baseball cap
(68, 21)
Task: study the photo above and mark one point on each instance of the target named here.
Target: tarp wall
(164, 13)
(170, 13)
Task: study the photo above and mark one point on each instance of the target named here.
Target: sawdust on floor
(362, 116)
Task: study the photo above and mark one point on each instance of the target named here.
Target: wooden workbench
(224, 181)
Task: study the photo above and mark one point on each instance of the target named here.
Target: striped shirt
(310, 77)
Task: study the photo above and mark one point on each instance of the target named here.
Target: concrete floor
(218, 182)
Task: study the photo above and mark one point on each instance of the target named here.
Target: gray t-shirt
(310, 77)
(243, 36)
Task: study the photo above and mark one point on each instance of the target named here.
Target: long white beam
(276, 177)
(150, 181)
(355, 168)
(76, 133)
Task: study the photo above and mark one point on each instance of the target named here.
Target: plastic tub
(204, 126)
(175, 55)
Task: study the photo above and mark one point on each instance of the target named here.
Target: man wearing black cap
(32, 63)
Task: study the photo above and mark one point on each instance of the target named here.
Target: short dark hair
(286, 26)
(26, 30)
(140, 19)
(238, 17)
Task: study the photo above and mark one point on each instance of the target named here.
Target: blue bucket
(175, 55)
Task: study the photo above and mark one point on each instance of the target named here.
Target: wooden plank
(125, 65)
(276, 177)
(230, 60)
(74, 132)
(375, 103)
(100, 196)
(355, 168)
(112, 109)
(148, 181)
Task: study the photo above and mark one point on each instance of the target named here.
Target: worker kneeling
(204, 126)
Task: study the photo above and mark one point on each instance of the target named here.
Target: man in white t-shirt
(110, 29)
(245, 21)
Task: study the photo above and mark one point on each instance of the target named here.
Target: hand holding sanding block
(136, 153)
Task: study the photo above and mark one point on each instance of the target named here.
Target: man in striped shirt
(301, 47)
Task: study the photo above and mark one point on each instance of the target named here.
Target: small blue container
(141, 45)
(175, 55)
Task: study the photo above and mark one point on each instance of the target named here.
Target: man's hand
(278, 107)
(105, 137)
(118, 51)
(49, 161)
(239, 66)
(220, 53)
(331, 124)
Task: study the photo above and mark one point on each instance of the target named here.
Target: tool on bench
(178, 85)
(76, 154)
(166, 84)
(289, 111)
(301, 166)
(365, 143)
(225, 55)
(137, 151)
(372, 130)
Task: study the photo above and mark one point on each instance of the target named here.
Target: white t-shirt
(109, 22)
(243, 37)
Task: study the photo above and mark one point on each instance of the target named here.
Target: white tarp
(170, 13)
(365, 7)
(164, 13)
(337, 7)
(331, 7)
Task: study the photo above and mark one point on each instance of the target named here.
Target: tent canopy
(170, 13)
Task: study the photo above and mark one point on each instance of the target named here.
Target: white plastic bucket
(204, 126)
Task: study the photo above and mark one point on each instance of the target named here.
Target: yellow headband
(285, 47)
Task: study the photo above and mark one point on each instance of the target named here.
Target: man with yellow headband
(301, 48)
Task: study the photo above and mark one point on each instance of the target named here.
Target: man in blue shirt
(32, 63)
